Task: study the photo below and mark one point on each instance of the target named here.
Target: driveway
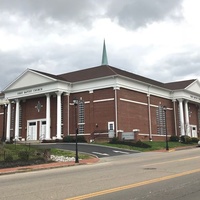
(98, 150)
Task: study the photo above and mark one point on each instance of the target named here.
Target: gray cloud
(67, 11)
(184, 64)
(53, 58)
(178, 66)
(11, 66)
(46, 27)
(139, 13)
(128, 13)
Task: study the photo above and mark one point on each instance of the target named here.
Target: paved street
(152, 175)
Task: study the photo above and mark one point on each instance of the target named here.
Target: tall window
(12, 118)
(199, 118)
(20, 121)
(81, 116)
(62, 117)
(161, 120)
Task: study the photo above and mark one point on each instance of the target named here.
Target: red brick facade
(108, 104)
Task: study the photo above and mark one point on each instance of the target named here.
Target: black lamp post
(166, 139)
(4, 122)
(76, 130)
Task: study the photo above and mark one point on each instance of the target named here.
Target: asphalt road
(98, 150)
(149, 176)
(182, 188)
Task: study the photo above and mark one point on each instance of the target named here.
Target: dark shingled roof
(88, 74)
(49, 75)
(107, 71)
(179, 84)
(104, 71)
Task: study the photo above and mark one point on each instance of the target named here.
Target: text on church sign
(29, 91)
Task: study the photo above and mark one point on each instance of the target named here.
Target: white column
(116, 112)
(181, 116)
(175, 122)
(47, 136)
(187, 123)
(59, 115)
(8, 122)
(17, 120)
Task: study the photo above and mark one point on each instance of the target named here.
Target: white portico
(187, 97)
(31, 85)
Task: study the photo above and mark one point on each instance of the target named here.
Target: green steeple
(104, 55)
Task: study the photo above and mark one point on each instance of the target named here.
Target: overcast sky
(158, 39)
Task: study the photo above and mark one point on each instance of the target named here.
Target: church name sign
(30, 91)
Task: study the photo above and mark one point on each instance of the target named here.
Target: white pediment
(194, 87)
(29, 79)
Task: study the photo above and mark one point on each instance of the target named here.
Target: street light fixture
(75, 101)
(166, 139)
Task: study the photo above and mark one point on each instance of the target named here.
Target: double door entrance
(36, 129)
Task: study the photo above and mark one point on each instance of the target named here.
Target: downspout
(149, 114)
(116, 112)
(67, 114)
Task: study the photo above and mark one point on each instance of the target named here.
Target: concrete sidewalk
(46, 166)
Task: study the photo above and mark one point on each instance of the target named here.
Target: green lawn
(153, 146)
(14, 152)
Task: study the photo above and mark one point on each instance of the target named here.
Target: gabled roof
(179, 84)
(88, 74)
(104, 71)
(136, 77)
(108, 71)
(46, 74)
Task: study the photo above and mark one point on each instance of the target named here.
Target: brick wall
(97, 114)
(100, 109)
(133, 113)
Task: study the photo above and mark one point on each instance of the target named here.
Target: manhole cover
(150, 168)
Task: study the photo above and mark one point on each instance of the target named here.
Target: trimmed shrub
(48, 141)
(80, 138)
(194, 140)
(115, 140)
(8, 158)
(139, 143)
(23, 155)
(68, 139)
(186, 139)
(174, 138)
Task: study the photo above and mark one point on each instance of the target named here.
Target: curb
(53, 165)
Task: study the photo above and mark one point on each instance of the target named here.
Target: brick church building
(101, 101)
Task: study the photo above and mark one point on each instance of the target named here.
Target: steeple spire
(104, 55)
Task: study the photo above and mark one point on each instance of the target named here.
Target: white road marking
(103, 154)
(121, 152)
